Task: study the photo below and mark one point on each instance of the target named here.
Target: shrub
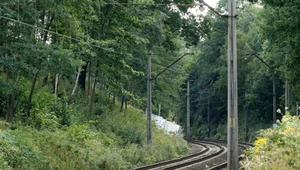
(18, 152)
(277, 147)
(44, 119)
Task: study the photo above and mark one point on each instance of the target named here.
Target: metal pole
(159, 109)
(188, 112)
(232, 135)
(149, 105)
(246, 123)
(287, 97)
(208, 116)
(274, 88)
(274, 100)
(297, 108)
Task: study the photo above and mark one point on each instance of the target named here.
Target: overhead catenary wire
(7, 4)
(172, 64)
(212, 9)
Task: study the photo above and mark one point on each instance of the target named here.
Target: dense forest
(73, 81)
(268, 70)
(73, 77)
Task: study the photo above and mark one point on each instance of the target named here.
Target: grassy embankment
(111, 140)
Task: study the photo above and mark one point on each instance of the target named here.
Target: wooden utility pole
(149, 102)
(188, 112)
(232, 129)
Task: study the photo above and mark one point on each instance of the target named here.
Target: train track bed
(210, 162)
(223, 165)
(194, 148)
(200, 159)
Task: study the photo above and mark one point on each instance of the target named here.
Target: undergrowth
(112, 140)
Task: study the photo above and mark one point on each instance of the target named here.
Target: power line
(52, 32)
(202, 3)
(158, 4)
(7, 4)
(255, 55)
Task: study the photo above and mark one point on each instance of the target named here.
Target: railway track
(210, 150)
(242, 147)
(212, 156)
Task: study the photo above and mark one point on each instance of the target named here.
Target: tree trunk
(108, 97)
(122, 103)
(92, 97)
(82, 77)
(31, 94)
(114, 99)
(45, 38)
(75, 86)
(10, 113)
(45, 80)
(115, 91)
(93, 93)
(56, 83)
(7, 106)
(8, 96)
(89, 81)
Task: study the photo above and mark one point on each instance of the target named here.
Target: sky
(212, 3)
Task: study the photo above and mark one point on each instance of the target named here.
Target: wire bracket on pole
(154, 78)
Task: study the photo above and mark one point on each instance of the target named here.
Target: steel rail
(224, 164)
(164, 163)
(190, 159)
(200, 160)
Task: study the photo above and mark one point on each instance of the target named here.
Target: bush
(18, 152)
(51, 112)
(44, 119)
(277, 147)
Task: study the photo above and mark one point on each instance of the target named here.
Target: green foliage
(19, 152)
(44, 119)
(80, 133)
(112, 140)
(128, 126)
(50, 112)
(277, 147)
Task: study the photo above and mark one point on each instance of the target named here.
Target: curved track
(242, 147)
(210, 150)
